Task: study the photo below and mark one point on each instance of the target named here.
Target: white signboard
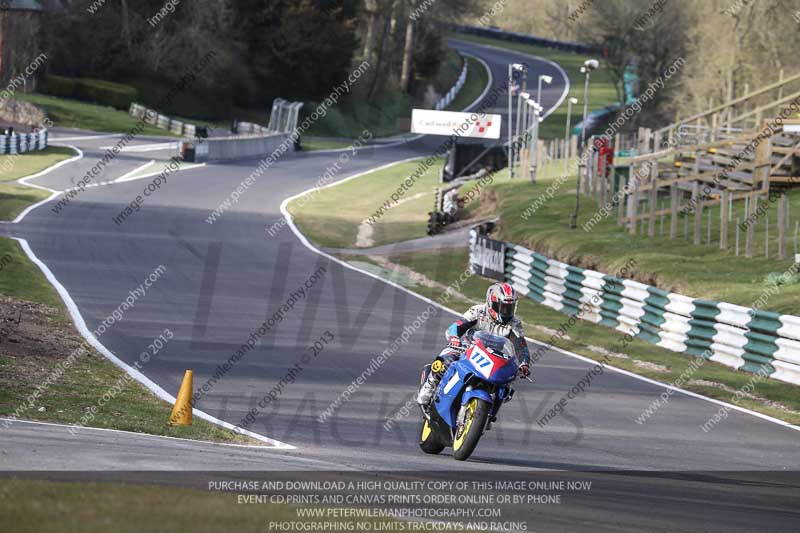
(429, 122)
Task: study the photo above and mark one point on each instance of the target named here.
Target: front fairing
(451, 387)
(492, 368)
(477, 368)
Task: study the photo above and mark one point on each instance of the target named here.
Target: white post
(570, 103)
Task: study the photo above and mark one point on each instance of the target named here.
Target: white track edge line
(134, 171)
(80, 324)
(117, 181)
(55, 193)
(673, 387)
(24, 181)
(152, 147)
(190, 166)
(587, 359)
(290, 221)
(417, 137)
(34, 206)
(558, 67)
(126, 432)
(311, 247)
(55, 138)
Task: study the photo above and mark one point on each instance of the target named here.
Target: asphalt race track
(223, 280)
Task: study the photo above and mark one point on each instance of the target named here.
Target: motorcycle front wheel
(469, 432)
(429, 442)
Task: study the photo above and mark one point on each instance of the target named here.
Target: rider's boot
(427, 389)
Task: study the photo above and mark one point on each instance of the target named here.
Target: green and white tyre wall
(743, 338)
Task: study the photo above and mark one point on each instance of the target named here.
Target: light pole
(543, 78)
(523, 89)
(588, 66)
(512, 67)
(571, 102)
(535, 110)
(522, 127)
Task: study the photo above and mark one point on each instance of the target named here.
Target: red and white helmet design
(501, 302)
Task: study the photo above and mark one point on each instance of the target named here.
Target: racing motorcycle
(469, 394)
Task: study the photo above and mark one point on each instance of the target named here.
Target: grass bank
(773, 398)
(15, 198)
(702, 271)
(381, 116)
(37, 341)
(314, 144)
(675, 265)
(477, 80)
(37, 338)
(699, 271)
(321, 217)
(74, 114)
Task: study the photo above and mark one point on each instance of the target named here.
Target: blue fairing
(455, 380)
(503, 374)
(449, 390)
(476, 393)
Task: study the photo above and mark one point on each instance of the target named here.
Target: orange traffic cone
(182, 412)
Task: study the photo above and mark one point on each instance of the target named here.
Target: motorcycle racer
(496, 316)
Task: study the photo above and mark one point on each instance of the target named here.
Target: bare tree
(371, 14)
(126, 26)
(408, 49)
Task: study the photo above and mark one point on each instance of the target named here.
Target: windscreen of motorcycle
(500, 346)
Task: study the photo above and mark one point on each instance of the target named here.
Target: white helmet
(501, 302)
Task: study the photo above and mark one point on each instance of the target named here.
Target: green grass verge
(16, 198)
(449, 71)
(21, 279)
(85, 382)
(19, 166)
(675, 265)
(477, 80)
(323, 220)
(381, 116)
(442, 265)
(74, 114)
(67, 507)
(701, 271)
(313, 144)
(601, 89)
(133, 408)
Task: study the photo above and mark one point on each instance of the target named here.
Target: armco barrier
(251, 128)
(526, 39)
(153, 118)
(19, 143)
(239, 147)
(447, 99)
(736, 336)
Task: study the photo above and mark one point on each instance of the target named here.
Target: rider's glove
(525, 370)
(455, 341)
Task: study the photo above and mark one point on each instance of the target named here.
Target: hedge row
(94, 91)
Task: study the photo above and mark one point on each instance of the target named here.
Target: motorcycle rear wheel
(469, 433)
(429, 442)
